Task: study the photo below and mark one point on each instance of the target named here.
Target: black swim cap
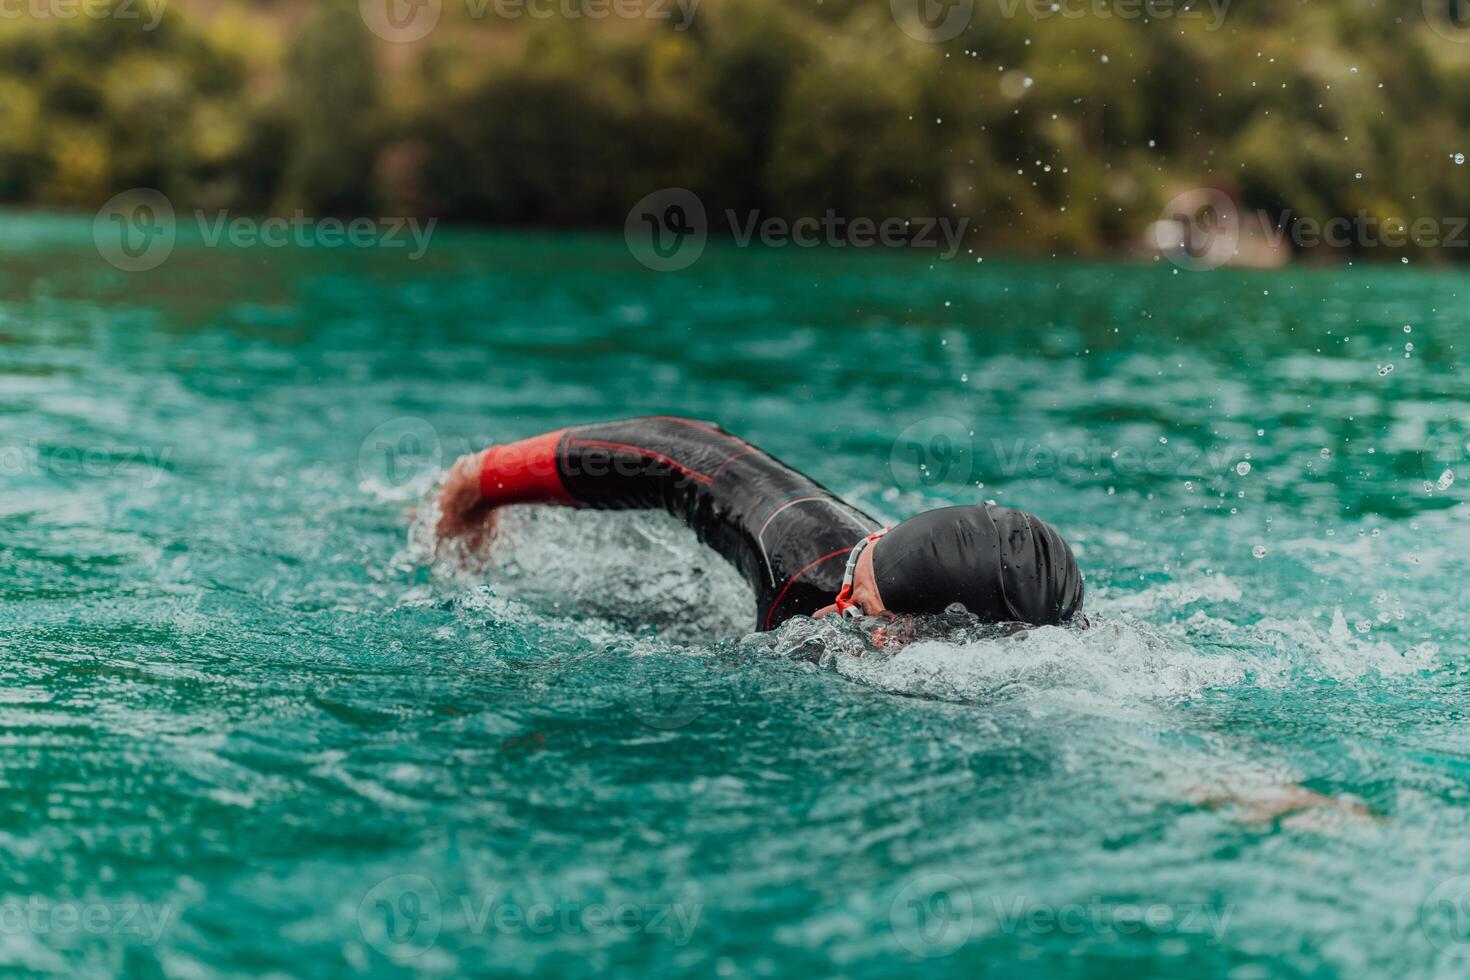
(1002, 565)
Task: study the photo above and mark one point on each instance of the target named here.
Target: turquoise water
(252, 725)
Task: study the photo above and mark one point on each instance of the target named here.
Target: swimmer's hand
(463, 513)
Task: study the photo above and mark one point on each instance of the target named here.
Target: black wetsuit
(788, 535)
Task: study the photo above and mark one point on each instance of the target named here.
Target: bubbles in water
(1259, 551)
(1363, 626)
(1408, 329)
(1459, 159)
(1242, 468)
(1446, 479)
(1326, 453)
(1384, 370)
(1409, 346)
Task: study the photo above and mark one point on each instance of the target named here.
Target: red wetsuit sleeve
(525, 472)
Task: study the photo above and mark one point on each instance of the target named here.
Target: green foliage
(1047, 131)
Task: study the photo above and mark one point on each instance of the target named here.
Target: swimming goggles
(845, 605)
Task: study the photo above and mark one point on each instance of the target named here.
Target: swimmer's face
(864, 588)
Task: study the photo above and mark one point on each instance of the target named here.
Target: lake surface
(250, 724)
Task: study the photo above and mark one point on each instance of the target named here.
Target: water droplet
(1259, 551)
(1242, 468)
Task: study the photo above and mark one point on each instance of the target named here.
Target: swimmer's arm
(522, 472)
(463, 513)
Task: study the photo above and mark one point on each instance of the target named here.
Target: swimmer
(803, 550)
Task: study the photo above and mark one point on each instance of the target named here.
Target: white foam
(642, 576)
